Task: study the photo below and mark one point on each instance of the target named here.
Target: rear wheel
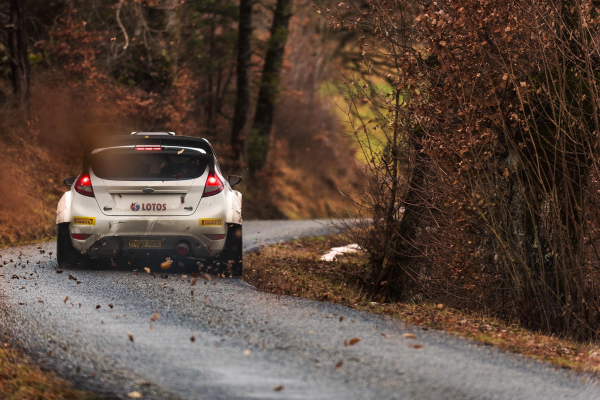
(232, 257)
(66, 255)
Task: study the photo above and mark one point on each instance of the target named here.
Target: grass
(295, 269)
(20, 379)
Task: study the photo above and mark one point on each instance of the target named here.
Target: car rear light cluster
(83, 185)
(213, 185)
(80, 236)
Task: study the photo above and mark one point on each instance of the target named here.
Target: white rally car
(151, 195)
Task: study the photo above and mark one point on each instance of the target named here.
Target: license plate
(145, 243)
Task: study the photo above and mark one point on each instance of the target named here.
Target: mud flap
(232, 255)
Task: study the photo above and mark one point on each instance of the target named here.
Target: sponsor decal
(211, 222)
(148, 207)
(84, 221)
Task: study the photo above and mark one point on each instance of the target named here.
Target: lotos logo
(149, 207)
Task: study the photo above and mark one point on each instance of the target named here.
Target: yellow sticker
(84, 221)
(211, 222)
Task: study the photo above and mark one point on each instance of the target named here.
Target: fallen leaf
(385, 335)
(339, 364)
(111, 305)
(246, 352)
(353, 341)
(278, 388)
(416, 346)
(341, 318)
(181, 264)
(155, 317)
(98, 306)
(409, 336)
(193, 339)
(130, 336)
(134, 395)
(440, 306)
(65, 300)
(72, 278)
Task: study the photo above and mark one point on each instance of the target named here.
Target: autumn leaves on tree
(498, 154)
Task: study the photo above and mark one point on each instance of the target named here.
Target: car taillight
(80, 236)
(213, 185)
(84, 185)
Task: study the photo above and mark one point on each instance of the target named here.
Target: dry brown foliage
(482, 158)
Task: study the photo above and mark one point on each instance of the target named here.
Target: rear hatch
(149, 181)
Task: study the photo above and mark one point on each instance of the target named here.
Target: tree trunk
(242, 102)
(17, 44)
(258, 144)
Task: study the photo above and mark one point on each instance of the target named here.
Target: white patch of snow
(351, 248)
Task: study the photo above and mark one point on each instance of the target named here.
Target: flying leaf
(147, 270)
(166, 264)
(205, 276)
(180, 151)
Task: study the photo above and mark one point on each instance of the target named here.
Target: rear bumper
(119, 246)
(111, 234)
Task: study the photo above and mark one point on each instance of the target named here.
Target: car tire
(232, 257)
(67, 256)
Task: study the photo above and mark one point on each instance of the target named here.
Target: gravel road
(246, 344)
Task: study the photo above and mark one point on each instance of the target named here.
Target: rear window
(119, 165)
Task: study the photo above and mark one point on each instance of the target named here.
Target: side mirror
(234, 180)
(69, 181)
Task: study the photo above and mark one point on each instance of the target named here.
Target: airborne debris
(166, 264)
(205, 276)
